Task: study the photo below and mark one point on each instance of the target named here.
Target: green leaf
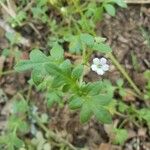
(53, 97)
(120, 82)
(75, 103)
(121, 136)
(147, 74)
(120, 3)
(42, 2)
(102, 114)
(36, 55)
(57, 82)
(20, 106)
(24, 65)
(57, 52)
(94, 88)
(66, 66)
(11, 141)
(86, 112)
(37, 60)
(60, 75)
(37, 76)
(17, 123)
(145, 115)
(122, 107)
(75, 45)
(104, 48)
(54, 70)
(77, 72)
(87, 39)
(102, 99)
(110, 9)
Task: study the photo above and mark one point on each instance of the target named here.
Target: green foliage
(121, 136)
(11, 141)
(122, 107)
(54, 97)
(120, 3)
(79, 42)
(16, 125)
(39, 11)
(12, 38)
(57, 52)
(91, 98)
(144, 114)
(109, 6)
(120, 87)
(110, 9)
(19, 18)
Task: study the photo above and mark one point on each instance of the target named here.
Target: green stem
(7, 72)
(124, 73)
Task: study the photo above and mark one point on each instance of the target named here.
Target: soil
(124, 34)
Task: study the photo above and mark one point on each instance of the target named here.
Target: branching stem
(54, 136)
(124, 73)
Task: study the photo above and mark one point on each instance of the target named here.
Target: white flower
(63, 9)
(100, 66)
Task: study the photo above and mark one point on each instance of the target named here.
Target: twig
(7, 28)
(54, 136)
(137, 1)
(28, 6)
(7, 72)
(8, 9)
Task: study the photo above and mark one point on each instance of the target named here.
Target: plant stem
(124, 73)
(7, 72)
(54, 136)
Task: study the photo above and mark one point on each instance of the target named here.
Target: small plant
(16, 126)
(71, 27)
(61, 78)
(108, 6)
(121, 136)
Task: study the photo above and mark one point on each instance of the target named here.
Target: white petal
(105, 67)
(94, 67)
(96, 61)
(100, 71)
(103, 61)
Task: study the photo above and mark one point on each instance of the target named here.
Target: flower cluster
(100, 66)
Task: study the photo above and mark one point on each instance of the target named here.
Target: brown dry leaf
(147, 145)
(105, 146)
(8, 108)
(139, 79)
(115, 147)
(10, 90)
(142, 132)
(130, 96)
(131, 133)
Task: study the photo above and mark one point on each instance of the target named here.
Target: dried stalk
(137, 1)
(8, 29)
